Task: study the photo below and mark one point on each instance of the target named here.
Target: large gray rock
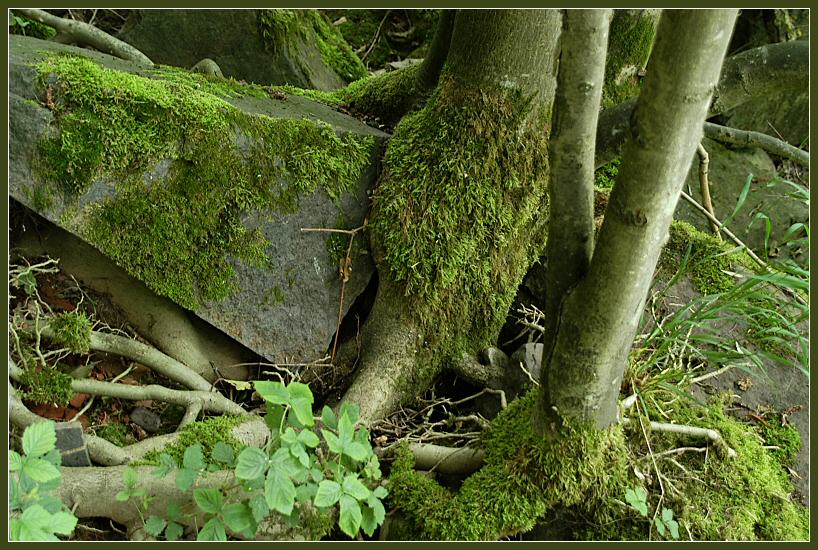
(286, 311)
(728, 172)
(234, 40)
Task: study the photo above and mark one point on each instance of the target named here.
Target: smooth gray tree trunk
(599, 317)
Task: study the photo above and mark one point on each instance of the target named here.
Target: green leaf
(350, 519)
(122, 496)
(351, 411)
(289, 436)
(667, 514)
(346, 430)
(212, 530)
(273, 419)
(37, 517)
(272, 391)
(194, 457)
(377, 508)
(332, 440)
(63, 523)
(223, 453)
(328, 494)
(54, 457)
(356, 451)
(174, 531)
(353, 487)
(185, 478)
(252, 463)
(209, 500)
(317, 475)
(306, 492)
(299, 390)
(673, 526)
(380, 492)
(279, 492)
(659, 526)
(39, 470)
(130, 477)
(328, 418)
(173, 511)
(166, 465)
(154, 525)
(237, 516)
(303, 411)
(283, 461)
(308, 438)
(39, 438)
(300, 454)
(368, 523)
(15, 461)
(259, 508)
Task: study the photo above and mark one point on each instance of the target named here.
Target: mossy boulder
(197, 186)
(295, 47)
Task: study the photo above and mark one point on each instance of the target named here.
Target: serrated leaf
(39, 438)
(377, 508)
(300, 454)
(63, 523)
(316, 475)
(166, 465)
(194, 457)
(350, 517)
(237, 517)
(289, 436)
(36, 516)
(275, 414)
(356, 451)
(129, 477)
(353, 487)
(185, 478)
(122, 496)
(673, 526)
(212, 530)
(328, 418)
(279, 492)
(305, 492)
(362, 436)
(54, 457)
(332, 440)
(154, 525)
(328, 494)
(380, 492)
(223, 453)
(209, 500)
(40, 470)
(303, 411)
(308, 438)
(259, 508)
(284, 462)
(251, 464)
(346, 430)
(51, 503)
(273, 392)
(667, 514)
(174, 531)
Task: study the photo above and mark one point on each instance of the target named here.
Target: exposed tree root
(744, 138)
(446, 460)
(86, 34)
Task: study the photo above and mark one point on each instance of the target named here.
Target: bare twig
(375, 38)
(704, 185)
(770, 144)
(713, 374)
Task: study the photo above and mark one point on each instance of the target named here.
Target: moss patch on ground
(460, 190)
(179, 231)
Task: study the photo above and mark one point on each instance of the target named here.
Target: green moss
(605, 176)
(275, 296)
(387, 97)
(46, 385)
(208, 84)
(783, 436)
(328, 98)
(629, 46)
(115, 433)
(72, 330)
(523, 476)
(206, 432)
(28, 27)
(179, 234)
(278, 26)
(460, 191)
(710, 259)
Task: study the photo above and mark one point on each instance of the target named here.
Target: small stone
(71, 444)
(146, 419)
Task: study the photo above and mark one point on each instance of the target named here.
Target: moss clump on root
(523, 476)
(206, 432)
(72, 330)
(47, 385)
(460, 191)
(178, 234)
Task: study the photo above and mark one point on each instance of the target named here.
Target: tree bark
(600, 316)
(429, 71)
(455, 210)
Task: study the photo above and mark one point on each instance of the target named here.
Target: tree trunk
(631, 39)
(599, 317)
(453, 216)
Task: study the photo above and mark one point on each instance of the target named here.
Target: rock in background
(285, 308)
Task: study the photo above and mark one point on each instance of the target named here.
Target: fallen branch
(446, 460)
(89, 35)
(770, 144)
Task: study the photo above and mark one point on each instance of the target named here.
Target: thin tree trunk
(429, 72)
(600, 316)
(571, 192)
